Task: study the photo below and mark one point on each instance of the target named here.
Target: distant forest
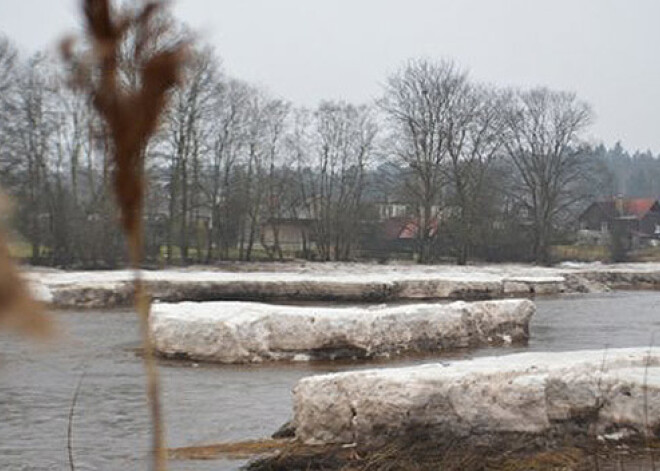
(484, 172)
(630, 174)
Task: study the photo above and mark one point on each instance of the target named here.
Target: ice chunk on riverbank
(363, 283)
(40, 292)
(237, 332)
(342, 282)
(586, 392)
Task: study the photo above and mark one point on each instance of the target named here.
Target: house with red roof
(635, 220)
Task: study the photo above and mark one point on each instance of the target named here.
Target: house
(392, 237)
(411, 229)
(635, 220)
(381, 238)
(393, 210)
(398, 210)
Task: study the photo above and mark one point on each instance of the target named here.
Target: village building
(635, 221)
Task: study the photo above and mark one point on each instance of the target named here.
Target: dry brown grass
(237, 450)
(517, 453)
(19, 311)
(131, 111)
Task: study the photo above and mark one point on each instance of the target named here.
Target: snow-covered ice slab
(348, 283)
(340, 282)
(614, 392)
(240, 332)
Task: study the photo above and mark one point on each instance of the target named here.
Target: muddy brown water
(206, 403)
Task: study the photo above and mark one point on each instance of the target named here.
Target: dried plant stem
(143, 308)
(72, 411)
(131, 116)
(143, 305)
(18, 309)
(646, 402)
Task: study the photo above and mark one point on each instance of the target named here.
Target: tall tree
(35, 121)
(473, 142)
(340, 144)
(188, 134)
(543, 140)
(8, 75)
(230, 115)
(418, 102)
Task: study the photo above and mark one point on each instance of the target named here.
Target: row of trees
(483, 168)
(466, 146)
(228, 157)
(231, 157)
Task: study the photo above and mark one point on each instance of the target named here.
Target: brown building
(635, 220)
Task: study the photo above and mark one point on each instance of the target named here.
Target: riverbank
(594, 393)
(523, 411)
(339, 283)
(517, 452)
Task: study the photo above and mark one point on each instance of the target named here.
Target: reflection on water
(206, 403)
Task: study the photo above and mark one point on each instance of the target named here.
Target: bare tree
(8, 75)
(473, 141)
(34, 124)
(332, 174)
(418, 102)
(230, 116)
(298, 145)
(253, 174)
(277, 112)
(8, 62)
(543, 140)
(188, 135)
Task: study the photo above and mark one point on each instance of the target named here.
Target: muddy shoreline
(543, 411)
(512, 452)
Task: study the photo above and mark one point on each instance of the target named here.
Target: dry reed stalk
(236, 450)
(131, 115)
(647, 435)
(19, 311)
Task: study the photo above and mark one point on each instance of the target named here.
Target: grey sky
(608, 51)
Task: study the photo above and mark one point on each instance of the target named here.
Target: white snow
(239, 332)
(596, 392)
(340, 282)
(40, 291)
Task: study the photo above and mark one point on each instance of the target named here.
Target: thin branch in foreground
(69, 430)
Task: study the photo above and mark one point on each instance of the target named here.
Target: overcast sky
(608, 51)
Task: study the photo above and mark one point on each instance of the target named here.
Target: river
(207, 403)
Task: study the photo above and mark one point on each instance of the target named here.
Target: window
(604, 226)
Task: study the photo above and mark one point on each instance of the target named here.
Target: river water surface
(206, 403)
